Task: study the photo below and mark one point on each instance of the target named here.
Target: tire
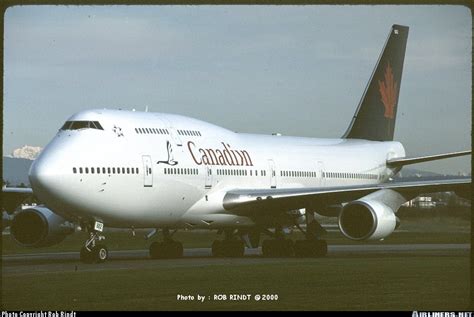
(100, 253)
(302, 248)
(217, 248)
(235, 248)
(311, 248)
(268, 248)
(155, 250)
(288, 247)
(178, 248)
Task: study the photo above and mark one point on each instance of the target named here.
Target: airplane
(132, 169)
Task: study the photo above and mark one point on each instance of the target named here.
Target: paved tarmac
(43, 263)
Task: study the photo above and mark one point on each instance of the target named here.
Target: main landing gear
(93, 252)
(229, 247)
(279, 246)
(166, 249)
(312, 246)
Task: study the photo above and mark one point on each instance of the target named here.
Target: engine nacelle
(39, 227)
(367, 220)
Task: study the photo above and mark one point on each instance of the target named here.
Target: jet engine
(371, 217)
(39, 227)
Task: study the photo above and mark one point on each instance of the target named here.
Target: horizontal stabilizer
(399, 162)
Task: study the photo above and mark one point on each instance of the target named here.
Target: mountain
(15, 170)
(411, 172)
(27, 152)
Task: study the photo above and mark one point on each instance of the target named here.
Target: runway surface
(43, 263)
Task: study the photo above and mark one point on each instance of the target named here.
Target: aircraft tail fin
(375, 116)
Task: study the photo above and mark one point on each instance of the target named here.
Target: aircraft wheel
(217, 248)
(100, 253)
(175, 249)
(234, 248)
(154, 250)
(311, 248)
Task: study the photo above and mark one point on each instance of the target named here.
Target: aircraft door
(273, 182)
(320, 171)
(208, 182)
(147, 171)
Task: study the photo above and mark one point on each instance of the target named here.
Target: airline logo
(388, 92)
(224, 156)
(170, 161)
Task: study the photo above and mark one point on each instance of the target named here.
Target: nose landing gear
(93, 252)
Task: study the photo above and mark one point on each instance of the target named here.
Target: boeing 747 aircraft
(130, 169)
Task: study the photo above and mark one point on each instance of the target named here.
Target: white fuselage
(161, 170)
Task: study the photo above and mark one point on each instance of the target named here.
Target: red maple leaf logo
(388, 92)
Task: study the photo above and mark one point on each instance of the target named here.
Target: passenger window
(74, 170)
(128, 170)
(92, 170)
(103, 170)
(80, 170)
(98, 170)
(87, 170)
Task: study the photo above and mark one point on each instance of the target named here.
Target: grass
(374, 283)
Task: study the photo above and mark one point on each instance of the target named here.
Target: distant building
(421, 202)
(437, 200)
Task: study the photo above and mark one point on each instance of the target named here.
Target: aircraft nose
(43, 175)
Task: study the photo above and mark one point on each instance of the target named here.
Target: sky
(296, 70)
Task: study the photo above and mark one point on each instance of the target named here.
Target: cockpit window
(77, 125)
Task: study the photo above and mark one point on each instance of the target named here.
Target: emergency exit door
(147, 171)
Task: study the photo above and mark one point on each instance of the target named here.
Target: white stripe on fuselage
(223, 160)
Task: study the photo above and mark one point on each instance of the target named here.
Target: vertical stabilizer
(375, 116)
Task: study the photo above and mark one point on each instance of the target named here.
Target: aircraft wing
(242, 201)
(12, 197)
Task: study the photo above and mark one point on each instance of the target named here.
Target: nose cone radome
(44, 175)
